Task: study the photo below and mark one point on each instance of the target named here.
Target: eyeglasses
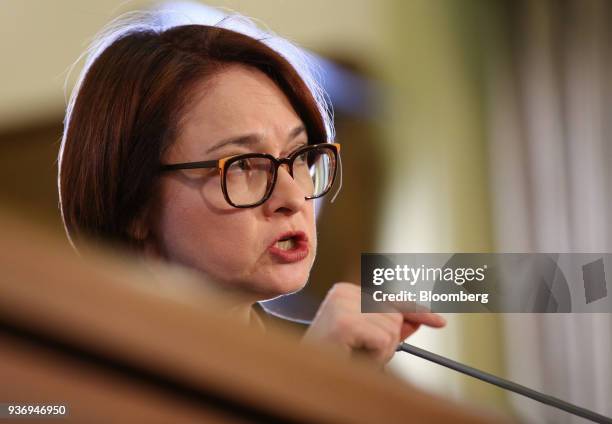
(248, 180)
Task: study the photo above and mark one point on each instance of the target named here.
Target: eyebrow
(252, 139)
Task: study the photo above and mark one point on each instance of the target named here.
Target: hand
(339, 322)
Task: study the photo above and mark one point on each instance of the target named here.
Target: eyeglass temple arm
(191, 165)
(340, 169)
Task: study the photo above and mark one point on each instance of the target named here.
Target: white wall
(40, 39)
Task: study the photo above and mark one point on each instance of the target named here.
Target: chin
(283, 286)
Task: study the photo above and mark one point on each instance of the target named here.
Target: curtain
(550, 103)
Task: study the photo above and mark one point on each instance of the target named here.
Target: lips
(289, 247)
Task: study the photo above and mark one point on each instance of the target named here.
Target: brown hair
(127, 110)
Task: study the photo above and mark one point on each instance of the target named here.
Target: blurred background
(466, 126)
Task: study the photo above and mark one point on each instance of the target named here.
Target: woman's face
(239, 110)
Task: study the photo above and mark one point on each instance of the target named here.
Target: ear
(142, 234)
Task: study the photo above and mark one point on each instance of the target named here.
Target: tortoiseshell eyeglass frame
(223, 164)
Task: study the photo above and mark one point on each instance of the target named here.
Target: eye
(244, 164)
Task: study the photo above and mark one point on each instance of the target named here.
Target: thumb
(408, 328)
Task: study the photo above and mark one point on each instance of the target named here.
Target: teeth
(286, 244)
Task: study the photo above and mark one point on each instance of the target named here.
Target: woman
(204, 147)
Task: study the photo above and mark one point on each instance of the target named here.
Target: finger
(430, 319)
(339, 304)
(408, 328)
(389, 323)
(347, 289)
(371, 340)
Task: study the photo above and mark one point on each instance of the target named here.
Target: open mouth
(290, 247)
(287, 243)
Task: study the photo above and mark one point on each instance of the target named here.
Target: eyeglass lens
(248, 180)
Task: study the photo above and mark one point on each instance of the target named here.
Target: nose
(287, 197)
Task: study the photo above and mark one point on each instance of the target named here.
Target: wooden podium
(115, 344)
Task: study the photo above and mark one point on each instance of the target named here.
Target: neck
(243, 311)
(246, 313)
(240, 303)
